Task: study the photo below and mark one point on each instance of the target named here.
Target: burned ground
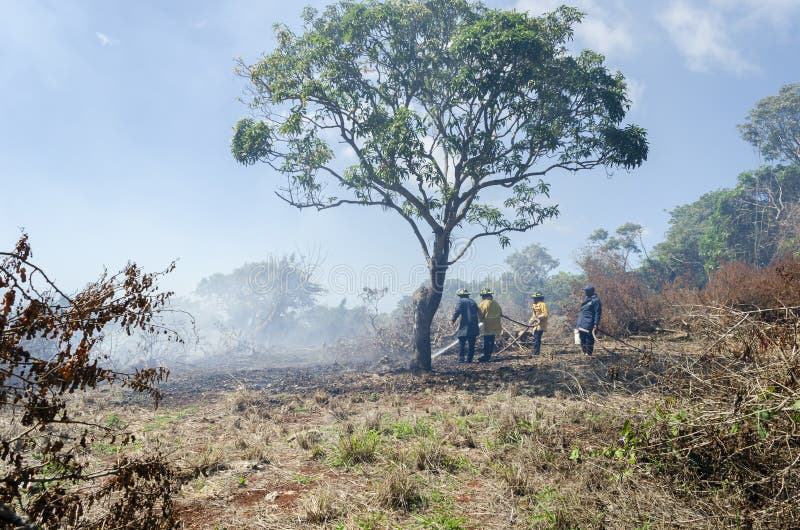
(515, 443)
(654, 433)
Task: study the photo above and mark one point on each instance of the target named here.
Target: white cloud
(607, 29)
(701, 35)
(778, 13)
(199, 24)
(636, 91)
(105, 40)
(606, 37)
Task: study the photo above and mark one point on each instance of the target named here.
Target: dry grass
(319, 506)
(399, 489)
(431, 454)
(449, 455)
(308, 439)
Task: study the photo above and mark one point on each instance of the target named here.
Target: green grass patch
(402, 429)
(357, 448)
(440, 516)
(162, 420)
(113, 420)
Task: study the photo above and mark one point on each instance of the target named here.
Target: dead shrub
(745, 287)
(629, 306)
(732, 422)
(51, 349)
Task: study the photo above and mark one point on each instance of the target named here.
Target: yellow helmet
(462, 292)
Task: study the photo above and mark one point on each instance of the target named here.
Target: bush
(629, 306)
(732, 421)
(47, 351)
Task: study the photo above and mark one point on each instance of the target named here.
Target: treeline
(755, 222)
(734, 246)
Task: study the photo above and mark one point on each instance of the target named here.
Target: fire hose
(528, 326)
(517, 322)
(444, 349)
(596, 328)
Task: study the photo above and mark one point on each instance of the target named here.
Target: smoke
(262, 314)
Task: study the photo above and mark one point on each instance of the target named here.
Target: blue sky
(116, 117)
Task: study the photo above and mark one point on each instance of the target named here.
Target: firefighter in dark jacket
(588, 319)
(468, 328)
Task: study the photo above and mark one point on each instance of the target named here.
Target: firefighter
(538, 321)
(490, 314)
(468, 328)
(588, 319)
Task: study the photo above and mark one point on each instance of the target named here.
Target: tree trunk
(426, 302)
(424, 311)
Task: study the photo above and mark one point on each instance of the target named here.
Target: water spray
(442, 350)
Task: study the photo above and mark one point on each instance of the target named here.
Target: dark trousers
(463, 342)
(587, 342)
(488, 346)
(537, 341)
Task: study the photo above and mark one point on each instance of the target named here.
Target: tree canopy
(773, 126)
(747, 223)
(436, 103)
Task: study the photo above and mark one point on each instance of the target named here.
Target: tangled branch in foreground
(47, 351)
(729, 437)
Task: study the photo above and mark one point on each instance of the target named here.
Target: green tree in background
(530, 269)
(773, 126)
(618, 248)
(754, 223)
(437, 103)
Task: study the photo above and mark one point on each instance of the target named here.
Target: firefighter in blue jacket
(468, 327)
(588, 319)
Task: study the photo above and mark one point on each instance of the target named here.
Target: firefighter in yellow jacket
(538, 320)
(489, 313)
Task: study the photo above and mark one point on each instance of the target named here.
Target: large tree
(443, 103)
(773, 125)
